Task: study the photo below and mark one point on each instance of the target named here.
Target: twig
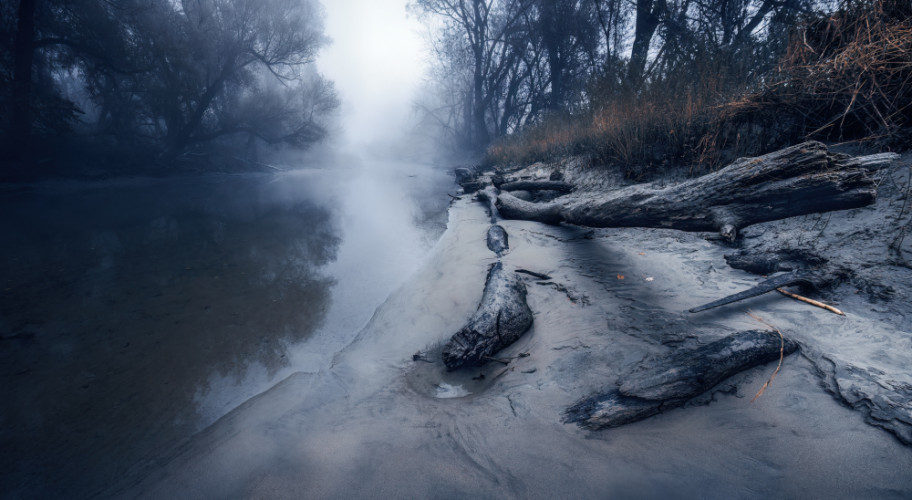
(781, 353)
(420, 356)
(499, 360)
(505, 370)
(533, 273)
(506, 361)
(810, 301)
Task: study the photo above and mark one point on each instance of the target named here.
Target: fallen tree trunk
(670, 382)
(799, 180)
(501, 318)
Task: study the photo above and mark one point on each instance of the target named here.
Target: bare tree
(481, 28)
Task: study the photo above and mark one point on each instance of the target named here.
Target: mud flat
(388, 420)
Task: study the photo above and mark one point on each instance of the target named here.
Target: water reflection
(119, 302)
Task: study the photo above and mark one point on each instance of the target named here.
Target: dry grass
(634, 133)
(667, 125)
(846, 76)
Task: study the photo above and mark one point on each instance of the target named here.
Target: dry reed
(781, 353)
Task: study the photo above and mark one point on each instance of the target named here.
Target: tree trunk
(184, 134)
(648, 14)
(479, 126)
(552, 41)
(21, 92)
(799, 180)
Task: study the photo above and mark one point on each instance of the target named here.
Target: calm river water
(136, 312)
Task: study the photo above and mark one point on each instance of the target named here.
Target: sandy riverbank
(378, 424)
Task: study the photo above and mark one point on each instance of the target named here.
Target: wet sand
(378, 424)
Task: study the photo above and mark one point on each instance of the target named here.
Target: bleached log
(799, 180)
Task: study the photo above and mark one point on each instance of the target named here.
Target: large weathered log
(670, 382)
(794, 181)
(501, 318)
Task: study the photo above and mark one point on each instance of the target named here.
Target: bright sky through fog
(376, 60)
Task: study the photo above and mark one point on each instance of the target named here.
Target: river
(137, 312)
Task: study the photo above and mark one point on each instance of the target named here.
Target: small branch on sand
(810, 301)
(781, 353)
(533, 274)
(506, 361)
(793, 278)
(505, 370)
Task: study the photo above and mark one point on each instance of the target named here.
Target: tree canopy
(165, 76)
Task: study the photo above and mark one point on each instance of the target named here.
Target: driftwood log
(501, 318)
(497, 240)
(671, 381)
(799, 180)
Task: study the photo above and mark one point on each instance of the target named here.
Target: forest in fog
(652, 81)
(123, 81)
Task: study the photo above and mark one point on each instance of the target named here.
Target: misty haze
(455, 248)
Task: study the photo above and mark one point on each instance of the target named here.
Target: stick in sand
(810, 301)
(781, 353)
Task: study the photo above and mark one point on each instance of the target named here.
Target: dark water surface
(134, 313)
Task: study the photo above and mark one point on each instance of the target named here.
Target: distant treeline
(157, 79)
(657, 81)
